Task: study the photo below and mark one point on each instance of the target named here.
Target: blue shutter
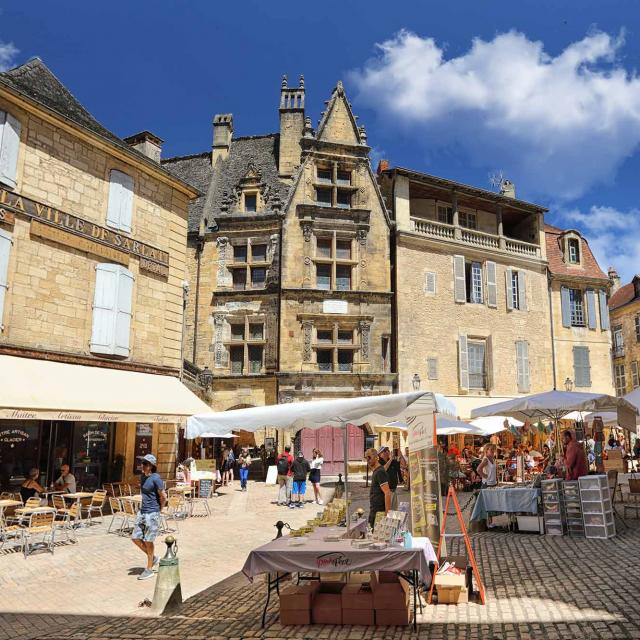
(9, 148)
(581, 367)
(123, 312)
(105, 309)
(5, 251)
(591, 309)
(566, 306)
(120, 204)
(604, 310)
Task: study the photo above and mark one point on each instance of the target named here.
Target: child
(300, 468)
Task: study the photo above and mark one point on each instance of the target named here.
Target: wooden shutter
(591, 309)
(581, 367)
(488, 362)
(635, 379)
(508, 275)
(522, 363)
(492, 293)
(120, 205)
(522, 290)
(5, 251)
(430, 282)
(432, 368)
(463, 362)
(9, 148)
(112, 310)
(123, 312)
(565, 301)
(460, 286)
(604, 310)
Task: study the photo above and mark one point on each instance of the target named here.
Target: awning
(32, 389)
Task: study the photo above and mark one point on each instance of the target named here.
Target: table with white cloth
(506, 500)
(284, 556)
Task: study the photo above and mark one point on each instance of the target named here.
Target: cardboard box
(295, 616)
(333, 577)
(393, 617)
(298, 596)
(360, 577)
(358, 616)
(357, 596)
(453, 595)
(389, 591)
(451, 579)
(327, 604)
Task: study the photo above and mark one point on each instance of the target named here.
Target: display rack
(553, 508)
(573, 508)
(597, 510)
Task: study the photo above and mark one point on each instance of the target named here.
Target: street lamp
(206, 378)
(568, 384)
(416, 382)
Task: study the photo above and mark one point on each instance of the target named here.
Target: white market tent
(293, 416)
(494, 424)
(445, 426)
(610, 418)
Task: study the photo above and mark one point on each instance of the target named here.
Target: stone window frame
(249, 264)
(568, 239)
(335, 345)
(243, 201)
(617, 341)
(620, 379)
(335, 183)
(333, 260)
(246, 342)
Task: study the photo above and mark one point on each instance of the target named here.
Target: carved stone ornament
(218, 346)
(362, 236)
(223, 247)
(286, 398)
(225, 202)
(365, 331)
(307, 333)
(307, 231)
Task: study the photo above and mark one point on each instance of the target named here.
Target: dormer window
(338, 190)
(250, 202)
(573, 251)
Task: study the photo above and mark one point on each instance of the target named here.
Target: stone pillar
(402, 203)
(457, 233)
(501, 240)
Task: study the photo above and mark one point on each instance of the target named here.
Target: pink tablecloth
(318, 556)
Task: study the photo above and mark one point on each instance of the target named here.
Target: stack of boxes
(364, 599)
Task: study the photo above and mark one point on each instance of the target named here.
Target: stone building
(92, 264)
(624, 307)
(578, 293)
(289, 265)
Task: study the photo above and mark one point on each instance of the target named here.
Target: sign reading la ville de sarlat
(50, 223)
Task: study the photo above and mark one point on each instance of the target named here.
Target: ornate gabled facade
(289, 260)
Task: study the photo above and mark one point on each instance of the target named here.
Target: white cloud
(7, 53)
(558, 125)
(613, 236)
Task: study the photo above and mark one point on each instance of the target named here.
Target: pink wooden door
(308, 443)
(356, 442)
(325, 444)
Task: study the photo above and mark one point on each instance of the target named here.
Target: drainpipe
(553, 342)
(196, 302)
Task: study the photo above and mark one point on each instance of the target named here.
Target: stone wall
(626, 316)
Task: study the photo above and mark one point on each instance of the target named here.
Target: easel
(451, 494)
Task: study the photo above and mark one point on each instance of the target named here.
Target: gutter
(553, 342)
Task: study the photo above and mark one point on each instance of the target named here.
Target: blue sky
(544, 90)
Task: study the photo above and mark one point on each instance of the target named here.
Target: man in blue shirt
(147, 523)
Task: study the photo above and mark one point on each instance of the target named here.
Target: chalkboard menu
(142, 445)
(205, 487)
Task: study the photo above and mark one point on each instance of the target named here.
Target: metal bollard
(167, 597)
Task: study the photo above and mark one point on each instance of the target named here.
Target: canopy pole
(345, 446)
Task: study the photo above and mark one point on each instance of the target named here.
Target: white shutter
(508, 275)
(463, 362)
(123, 312)
(522, 290)
(120, 205)
(5, 251)
(460, 287)
(9, 148)
(492, 293)
(430, 283)
(522, 359)
(105, 309)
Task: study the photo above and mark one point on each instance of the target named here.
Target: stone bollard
(167, 597)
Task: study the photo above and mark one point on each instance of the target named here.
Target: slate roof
(589, 267)
(259, 152)
(623, 295)
(37, 82)
(196, 170)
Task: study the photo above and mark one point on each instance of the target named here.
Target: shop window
(120, 203)
(19, 452)
(92, 442)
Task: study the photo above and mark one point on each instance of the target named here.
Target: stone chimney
(614, 279)
(507, 188)
(147, 144)
(222, 134)
(291, 126)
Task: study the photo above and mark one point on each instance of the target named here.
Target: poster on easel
(424, 475)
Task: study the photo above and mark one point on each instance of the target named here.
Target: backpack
(283, 465)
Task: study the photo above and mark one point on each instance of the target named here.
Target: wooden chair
(117, 511)
(633, 501)
(40, 524)
(96, 505)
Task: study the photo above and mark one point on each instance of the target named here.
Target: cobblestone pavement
(537, 587)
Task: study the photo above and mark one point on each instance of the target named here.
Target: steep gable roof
(338, 124)
(624, 295)
(588, 268)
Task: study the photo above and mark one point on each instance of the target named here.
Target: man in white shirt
(66, 481)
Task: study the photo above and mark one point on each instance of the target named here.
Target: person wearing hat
(300, 469)
(147, 522)
(379, 493)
